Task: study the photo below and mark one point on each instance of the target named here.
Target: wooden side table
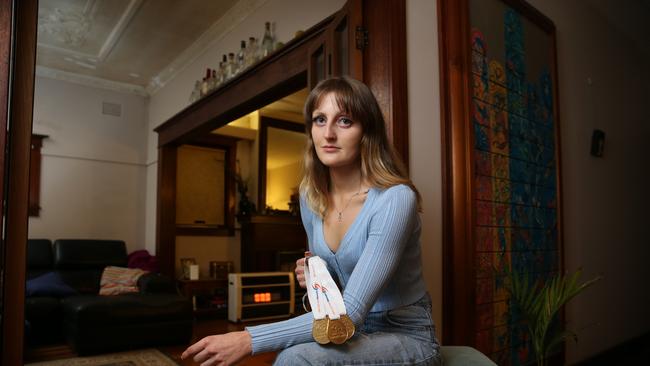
(209, 296)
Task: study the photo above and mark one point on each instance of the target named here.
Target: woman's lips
(330, 148)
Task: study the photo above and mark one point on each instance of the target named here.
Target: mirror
(282, 144)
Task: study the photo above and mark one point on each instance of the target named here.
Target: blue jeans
(402, 336)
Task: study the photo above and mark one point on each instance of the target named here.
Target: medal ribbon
(324, 296)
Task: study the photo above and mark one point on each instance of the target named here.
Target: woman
(360, 212)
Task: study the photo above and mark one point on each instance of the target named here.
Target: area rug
(145, 357)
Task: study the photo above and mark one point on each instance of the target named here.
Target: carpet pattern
(146, 357)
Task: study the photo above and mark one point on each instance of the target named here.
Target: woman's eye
(319, 120)
(345, 122)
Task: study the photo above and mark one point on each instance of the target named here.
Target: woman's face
(336, 136)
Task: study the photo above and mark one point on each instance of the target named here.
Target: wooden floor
(202, 328)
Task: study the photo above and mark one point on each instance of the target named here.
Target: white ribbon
(324, 297)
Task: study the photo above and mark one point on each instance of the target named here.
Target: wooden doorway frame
(19, 19)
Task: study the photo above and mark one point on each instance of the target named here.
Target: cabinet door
(339, 50)
(347, 38)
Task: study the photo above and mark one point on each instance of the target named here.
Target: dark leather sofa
(90, 323)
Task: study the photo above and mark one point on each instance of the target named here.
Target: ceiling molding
(231, 19)
(91, 81)
(73, 27)
(119, 28)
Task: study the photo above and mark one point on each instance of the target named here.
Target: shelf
(266, 303)
(266, 285)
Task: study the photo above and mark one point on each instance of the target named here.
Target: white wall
(93, 173)
(290, 16)
(605, 200)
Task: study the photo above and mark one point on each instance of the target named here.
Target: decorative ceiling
(133, 45)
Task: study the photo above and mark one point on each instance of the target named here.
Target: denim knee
(292, 356)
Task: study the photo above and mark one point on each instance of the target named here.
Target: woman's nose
(329, 131)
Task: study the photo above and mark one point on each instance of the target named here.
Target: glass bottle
(267, 40)
(231, 65)
(204, 84)
(251, 51)
(224, 68)
(196, 93)
(241, 55)
(213, 80)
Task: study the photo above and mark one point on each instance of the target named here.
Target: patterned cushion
(118, 280)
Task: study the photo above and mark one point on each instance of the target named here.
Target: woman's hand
(300, 272)
(222, 349)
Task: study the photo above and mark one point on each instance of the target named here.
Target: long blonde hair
(380, 165)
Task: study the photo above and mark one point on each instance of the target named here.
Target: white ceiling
(133, 44)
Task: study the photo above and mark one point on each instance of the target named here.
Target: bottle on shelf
(252, 51)
(211, 81)
(241, 56)
(224, 68)
(267, 40)
(231, 65)
(204, 84)
(196, 93)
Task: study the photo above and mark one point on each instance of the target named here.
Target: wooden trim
(265, 123)
(19, 140)
(229, 145)
(284, 70)
(204, 231)
(166, 210)
(458, 269)
(35, 175)
(384, 67)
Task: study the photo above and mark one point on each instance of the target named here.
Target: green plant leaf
(540, 305)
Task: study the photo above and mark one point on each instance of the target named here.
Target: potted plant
(540, 304)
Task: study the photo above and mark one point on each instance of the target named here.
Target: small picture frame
(185, 267)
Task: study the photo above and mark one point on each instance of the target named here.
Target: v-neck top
(378, 264)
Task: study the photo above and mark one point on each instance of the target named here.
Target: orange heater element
(262, 297)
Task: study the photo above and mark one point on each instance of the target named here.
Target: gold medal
(319, 331)
(336, 331)
(349, 325)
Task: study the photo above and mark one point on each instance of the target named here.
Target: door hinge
(361, 37)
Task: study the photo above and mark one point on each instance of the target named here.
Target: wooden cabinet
(209, 296)
(268, 242)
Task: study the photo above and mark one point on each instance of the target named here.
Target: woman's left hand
(221, 349)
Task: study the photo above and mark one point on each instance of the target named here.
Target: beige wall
(424, 138)
(93, 171)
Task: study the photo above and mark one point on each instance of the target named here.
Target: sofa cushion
(49, 284)
(119, 280)
(88, 254)
(39, 257)
(92, 311)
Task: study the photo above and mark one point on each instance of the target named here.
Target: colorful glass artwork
(515, 189)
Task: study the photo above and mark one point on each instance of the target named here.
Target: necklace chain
(339, 217)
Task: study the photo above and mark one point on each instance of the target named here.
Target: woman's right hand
(300, 272)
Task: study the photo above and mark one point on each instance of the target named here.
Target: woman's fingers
(195, 348)
(300, 272)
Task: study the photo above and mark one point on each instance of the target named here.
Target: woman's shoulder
(398, 191)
